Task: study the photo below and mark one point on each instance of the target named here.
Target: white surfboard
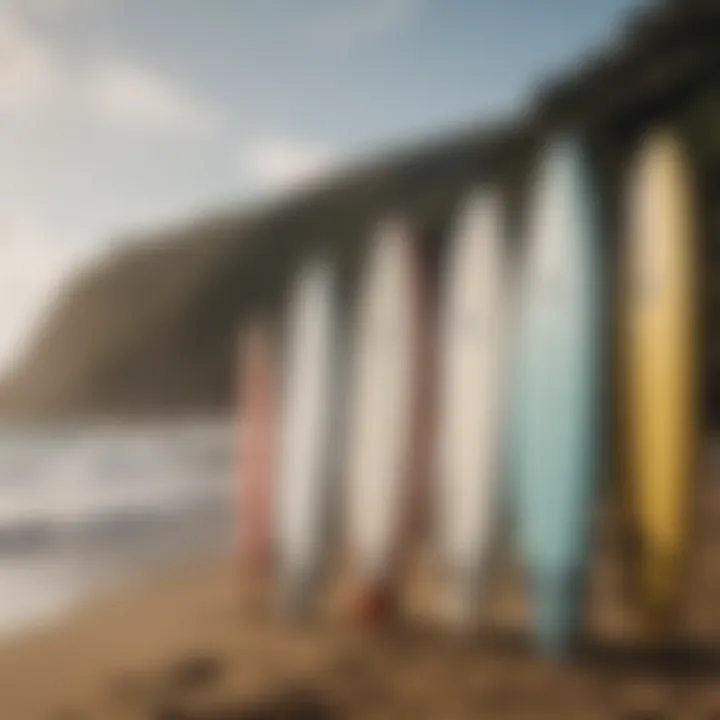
(471, 383)
(382, 415)
(306, 433)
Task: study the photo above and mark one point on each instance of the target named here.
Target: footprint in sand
(196, 673)
(290, 705)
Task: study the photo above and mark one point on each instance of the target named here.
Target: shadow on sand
(167, 698)
(679, 661)
(295, 705)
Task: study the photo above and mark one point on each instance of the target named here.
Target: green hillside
(153, 328)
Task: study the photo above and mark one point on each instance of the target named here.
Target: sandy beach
(186, 647)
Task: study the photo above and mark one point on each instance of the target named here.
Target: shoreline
(183, 646)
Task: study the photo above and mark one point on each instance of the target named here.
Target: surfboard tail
(297, 592)
(557, 600)
(463, 601)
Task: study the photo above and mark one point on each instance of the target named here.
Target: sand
(187, 647)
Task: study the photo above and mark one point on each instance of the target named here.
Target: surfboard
(556, 414)
(306, 434)
(257, 447)
(383, 420)
(472, 404)
(658, 350)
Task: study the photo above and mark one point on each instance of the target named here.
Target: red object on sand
(375, 606)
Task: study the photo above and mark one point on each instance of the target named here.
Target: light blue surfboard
(556, 414)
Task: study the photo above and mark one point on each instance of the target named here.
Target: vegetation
(154, 328)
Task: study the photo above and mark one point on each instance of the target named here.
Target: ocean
(84, 510)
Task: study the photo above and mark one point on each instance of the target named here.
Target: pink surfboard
(257, 405)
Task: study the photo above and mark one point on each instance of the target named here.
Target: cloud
(28, 70)
(133, 97)
(123, 94)
(347, 19)
(282, 163)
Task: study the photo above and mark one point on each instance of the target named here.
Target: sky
(121, 115)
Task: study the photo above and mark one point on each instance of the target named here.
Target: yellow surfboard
(657, 346)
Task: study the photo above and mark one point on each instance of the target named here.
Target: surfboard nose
(564, 154)
(556, 595)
